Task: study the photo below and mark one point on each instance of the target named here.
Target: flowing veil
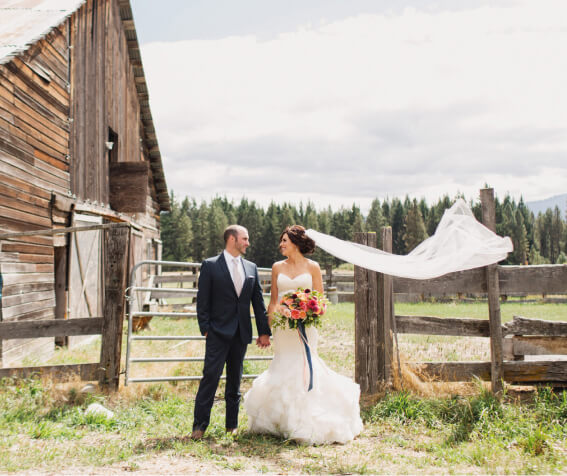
(459, 243)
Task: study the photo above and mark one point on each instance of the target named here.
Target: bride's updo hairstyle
(296, 234)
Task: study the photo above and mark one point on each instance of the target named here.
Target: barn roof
(24, 22)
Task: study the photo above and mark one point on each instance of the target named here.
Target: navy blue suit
(225, 318)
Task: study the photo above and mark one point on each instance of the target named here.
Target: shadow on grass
(245, 444)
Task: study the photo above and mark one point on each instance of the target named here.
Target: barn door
(85, 276)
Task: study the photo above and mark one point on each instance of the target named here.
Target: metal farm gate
(156, 291)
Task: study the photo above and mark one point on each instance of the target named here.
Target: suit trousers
(220, 350)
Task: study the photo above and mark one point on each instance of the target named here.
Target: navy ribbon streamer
(301, 328)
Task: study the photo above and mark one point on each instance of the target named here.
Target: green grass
(43, 426)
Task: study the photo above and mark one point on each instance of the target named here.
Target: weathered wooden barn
(77, 146)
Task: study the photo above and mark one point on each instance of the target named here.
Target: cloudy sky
(342, 101)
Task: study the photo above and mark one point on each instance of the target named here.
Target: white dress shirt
(230, 264)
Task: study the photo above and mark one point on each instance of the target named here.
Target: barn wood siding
(34, 149)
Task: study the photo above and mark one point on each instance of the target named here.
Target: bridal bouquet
(304, 306)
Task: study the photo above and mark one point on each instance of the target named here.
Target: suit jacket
(221, 310)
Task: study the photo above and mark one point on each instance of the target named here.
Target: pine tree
(269, 252)
(415, 231)
(519, 239)
(375, 221)
(397, 218)
(201, 231)
(555, 235)
(217, 224)
(251, 217)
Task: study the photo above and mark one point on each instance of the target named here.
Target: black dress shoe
(197, 434)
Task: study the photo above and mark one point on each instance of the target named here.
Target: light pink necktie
(236, 276)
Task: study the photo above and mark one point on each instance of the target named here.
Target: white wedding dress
(278, 402)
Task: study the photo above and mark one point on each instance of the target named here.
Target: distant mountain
(542, 205)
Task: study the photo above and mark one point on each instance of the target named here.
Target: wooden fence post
(385, 314)
(367, 372)
(493, 289)
(116, 247)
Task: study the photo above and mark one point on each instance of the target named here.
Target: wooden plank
(449, 326)
(452, 371)
(8, 301)
(21, 309)
(39, 259)
(9, 191)
(493, 288)
(527, 326)
(47, 96)
(17, 289)
(361, 324)
(385, 312)
(24, 206)
(537, 279)
(25, 186)
(17, 268)
(50, 328)
(536, 345)
(24, 217)
(37, 315)
(471, 281)
(60, 373)
(544, 279)
(536, 371)
(25, 278)
(71, 229)
(35, 175)
(116, 252)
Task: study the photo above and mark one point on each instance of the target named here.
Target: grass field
(43, 426)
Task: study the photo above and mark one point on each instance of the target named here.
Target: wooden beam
(539, 327)
(57, 231)
(385, 314)
(60, 373)
(445, 326)
(536, 371)
(50, 328)
(493, 288)
(361, 325)
(116, 252)
(535, 279)
(513, 372)
(536, 345)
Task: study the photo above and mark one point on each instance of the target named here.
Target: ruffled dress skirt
(280, 404)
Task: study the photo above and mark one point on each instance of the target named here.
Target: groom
(227, 285)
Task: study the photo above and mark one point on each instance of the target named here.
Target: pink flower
(287, 313)
(295, 314)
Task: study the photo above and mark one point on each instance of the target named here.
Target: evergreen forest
(193, 231)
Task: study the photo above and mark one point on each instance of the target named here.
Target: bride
(279, 401)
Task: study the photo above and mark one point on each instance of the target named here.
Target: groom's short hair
(232, 230)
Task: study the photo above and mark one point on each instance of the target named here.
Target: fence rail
(109, 326)
(377, 325)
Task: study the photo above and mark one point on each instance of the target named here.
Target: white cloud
(423, 103)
